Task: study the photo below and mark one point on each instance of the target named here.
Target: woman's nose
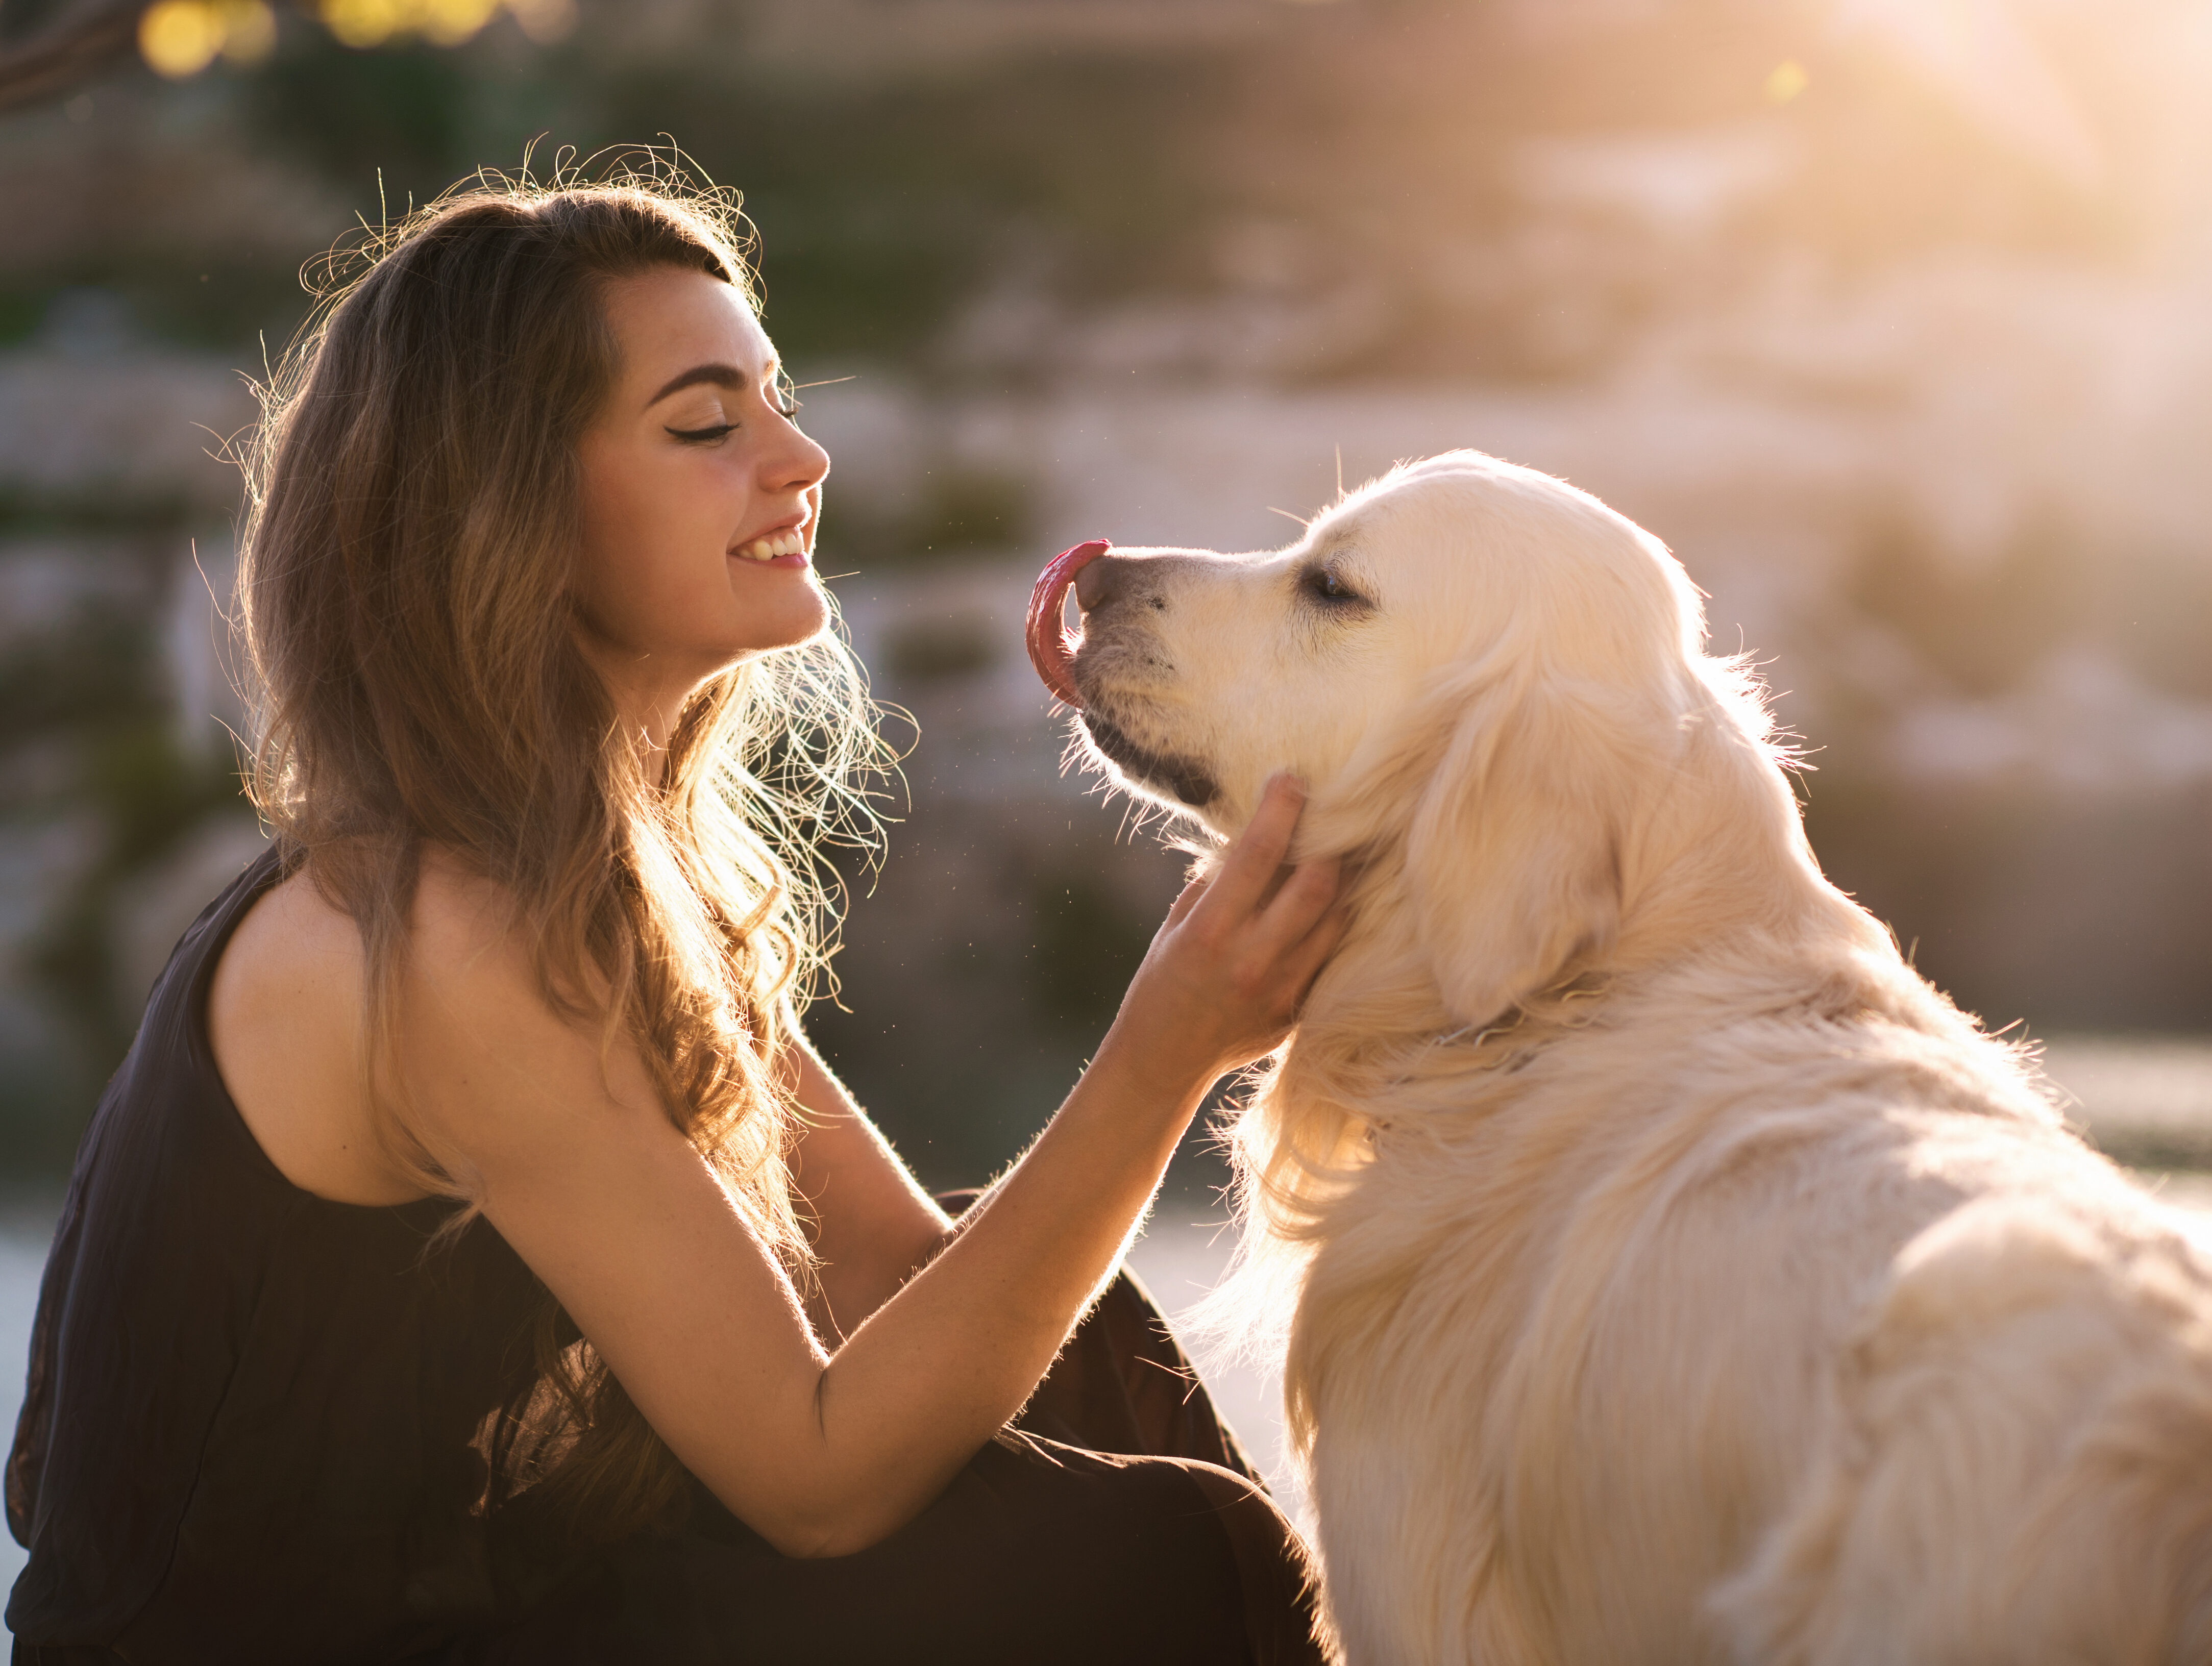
(802, 463)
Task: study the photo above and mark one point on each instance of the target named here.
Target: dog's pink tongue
(1051, 649)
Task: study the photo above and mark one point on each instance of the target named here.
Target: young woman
(471, 1260)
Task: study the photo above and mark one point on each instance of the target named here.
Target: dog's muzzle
(1184, 777)
(1052, 650)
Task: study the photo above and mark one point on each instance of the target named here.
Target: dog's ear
(1513, 857)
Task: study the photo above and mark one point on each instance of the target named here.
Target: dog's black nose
(1100, 581)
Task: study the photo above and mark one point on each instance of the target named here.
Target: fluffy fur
(1665, 1271)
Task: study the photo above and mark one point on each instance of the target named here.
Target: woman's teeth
(793, 542)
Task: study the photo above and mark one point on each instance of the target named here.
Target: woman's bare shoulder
(286, 1016)
(474, 1036)
(495, 1061)
(290, 974)
(298, 953)
(471, 966)
(463, 923)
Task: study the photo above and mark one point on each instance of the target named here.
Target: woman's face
(700, 497)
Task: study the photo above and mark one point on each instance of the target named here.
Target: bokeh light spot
(449, 22)
(1786, 82)
(179, 37)
(364, 23)
(361, 22)
(249, 32)
(545, 21)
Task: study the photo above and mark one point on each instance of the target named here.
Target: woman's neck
(648, 704)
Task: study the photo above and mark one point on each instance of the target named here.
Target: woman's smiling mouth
(784, 543)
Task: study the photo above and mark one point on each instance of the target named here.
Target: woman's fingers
(1286, 918)
(1244, 873)
(1307, 959)
(1188, 899)
(1296, 948)
(1304, 898)
(1239, 949)
(1261, 911)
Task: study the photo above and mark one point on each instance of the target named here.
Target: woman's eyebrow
(721, 376)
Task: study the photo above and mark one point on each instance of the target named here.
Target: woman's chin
(798, 614)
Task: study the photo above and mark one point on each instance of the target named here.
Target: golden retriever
(1665, 1272)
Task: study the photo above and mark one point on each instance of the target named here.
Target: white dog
(1676, 1276)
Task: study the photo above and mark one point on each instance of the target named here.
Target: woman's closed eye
(705, 436)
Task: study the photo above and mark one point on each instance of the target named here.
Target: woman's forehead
(670, 320)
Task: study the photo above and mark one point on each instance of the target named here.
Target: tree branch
(77, 45)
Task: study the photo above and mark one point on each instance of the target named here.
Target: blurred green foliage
(1088, 942)
(882, 203)
(90, 691)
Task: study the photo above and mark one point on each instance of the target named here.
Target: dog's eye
(1330, 588)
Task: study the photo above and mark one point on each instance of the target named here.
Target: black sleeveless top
(253, 1414)
(263, 1427)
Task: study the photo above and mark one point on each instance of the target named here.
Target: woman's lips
(1052, 650)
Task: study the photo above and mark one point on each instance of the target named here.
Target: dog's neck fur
(1379, 1039)
(1382, 1071)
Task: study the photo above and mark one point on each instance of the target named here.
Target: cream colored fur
(1666, 1273)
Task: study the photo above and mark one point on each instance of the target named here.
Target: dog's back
(1806, 1337)
(2020, 1464)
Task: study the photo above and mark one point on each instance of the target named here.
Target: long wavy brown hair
(403, 601)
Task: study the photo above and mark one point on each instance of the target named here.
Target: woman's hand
(1226, 973)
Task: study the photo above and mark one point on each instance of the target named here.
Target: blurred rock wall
(1899, 336)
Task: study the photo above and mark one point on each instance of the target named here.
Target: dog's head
(1483, 675)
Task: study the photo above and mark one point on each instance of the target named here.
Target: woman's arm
(826, 1453)
(872, 1226)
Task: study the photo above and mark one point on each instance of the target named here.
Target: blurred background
(1893, 318)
